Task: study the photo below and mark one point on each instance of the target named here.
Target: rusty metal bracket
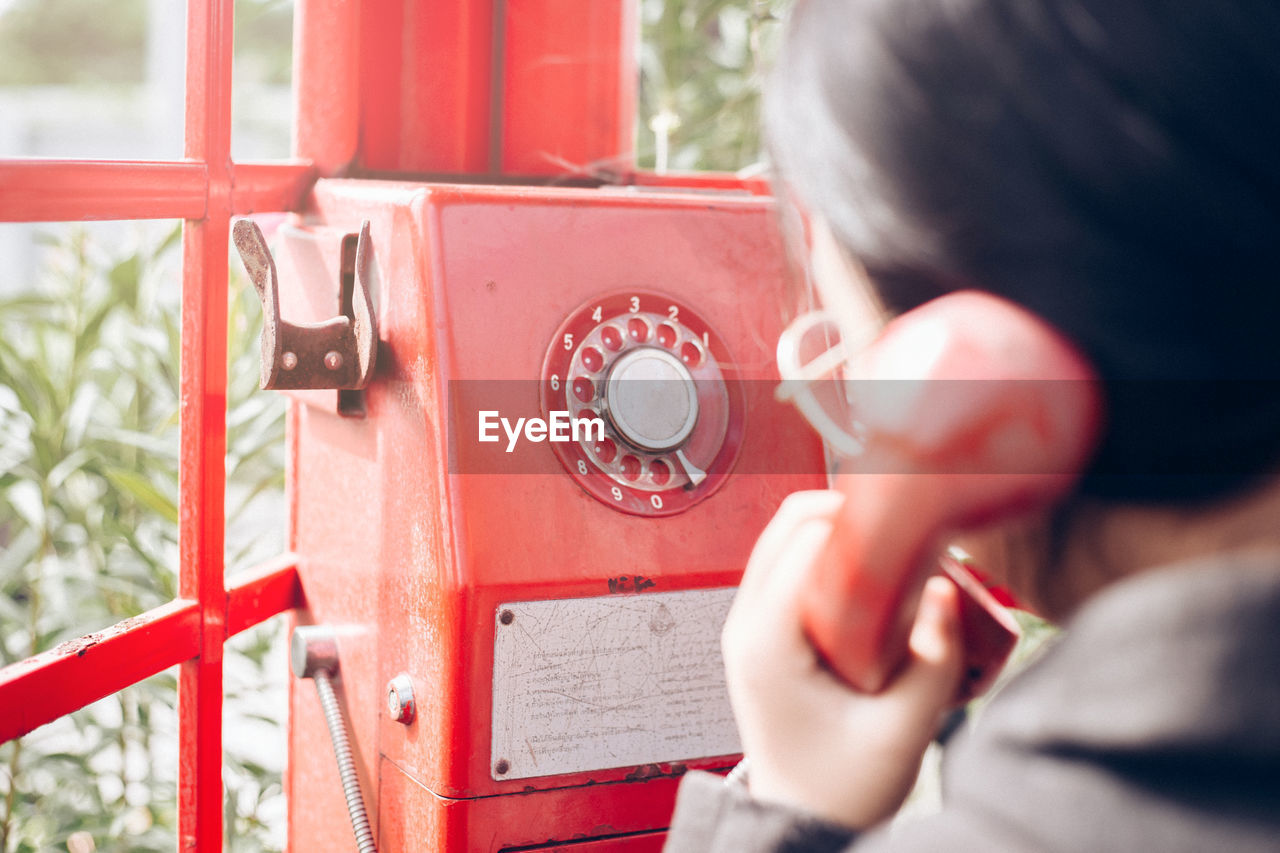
(337, 353)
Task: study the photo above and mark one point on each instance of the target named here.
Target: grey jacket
(1153, 724)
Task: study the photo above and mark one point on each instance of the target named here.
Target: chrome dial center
(651, 399)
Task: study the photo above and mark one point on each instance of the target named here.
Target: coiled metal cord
(346, 766)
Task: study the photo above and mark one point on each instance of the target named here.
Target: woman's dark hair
(1113, 165)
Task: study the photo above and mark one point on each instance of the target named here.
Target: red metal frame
(204, 190)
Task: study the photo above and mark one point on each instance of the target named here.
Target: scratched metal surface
(590, 683)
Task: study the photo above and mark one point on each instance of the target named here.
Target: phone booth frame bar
(205, 189)
(358, 98)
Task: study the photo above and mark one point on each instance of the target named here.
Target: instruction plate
(583, 684)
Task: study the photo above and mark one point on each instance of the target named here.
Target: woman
(1113, 166)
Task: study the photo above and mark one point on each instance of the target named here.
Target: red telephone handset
(979, 411)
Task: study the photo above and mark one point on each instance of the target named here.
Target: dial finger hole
(631, 468)
(691, 354)
(606, 451)
(638, 330)
(667, 335)
(611, 337)
(583, 389)
(592, 359)
(660, 472)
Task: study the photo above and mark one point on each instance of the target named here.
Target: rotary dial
(649, 368)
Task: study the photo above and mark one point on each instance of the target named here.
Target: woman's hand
(814, 742)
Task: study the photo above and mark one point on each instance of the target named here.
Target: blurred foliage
(73, 42)
(264, 41)
(104, 42)
(88, 531)
(702, 64)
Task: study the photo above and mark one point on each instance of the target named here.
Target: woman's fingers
(763, 630)
(814, 742)
(934, 668)
(782, 556)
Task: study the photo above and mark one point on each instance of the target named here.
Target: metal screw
(333, 359)
(502, 767)
(400, 702)
(506, 617)
(289, 360)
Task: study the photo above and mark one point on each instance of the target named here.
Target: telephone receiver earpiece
(974, 410)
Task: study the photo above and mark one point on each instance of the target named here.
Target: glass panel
(255, 507)
(255, 689)
(88, 533)
(101, 779)
(105, 79)
(88, 408)
(261, 101)
(89, 359)
(92, 78)
(702, 64)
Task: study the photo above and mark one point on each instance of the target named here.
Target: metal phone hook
(337, 353)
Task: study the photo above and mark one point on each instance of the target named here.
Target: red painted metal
(257, 594)
(326, 91)
(203, 425)
(381, 49)
(533, 88)
(41, 689)
(568, 96)
(708, 181)
(54, 190)
(261, 187)
(414, 819)
(68, 190)
(411, 561)
(426, 81)
(64, 679)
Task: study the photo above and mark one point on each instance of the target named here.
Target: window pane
(105, 79)
(91, 78)
(702, 64)
(261, 101)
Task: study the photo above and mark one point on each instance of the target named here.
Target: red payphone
(554, 609)
(526, 529)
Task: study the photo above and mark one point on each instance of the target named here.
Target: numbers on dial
(613, 469)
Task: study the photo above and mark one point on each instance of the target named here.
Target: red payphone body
(556, 609)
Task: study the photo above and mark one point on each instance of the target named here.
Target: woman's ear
(973, 410)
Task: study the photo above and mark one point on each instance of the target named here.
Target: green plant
(88, 526)
(97, 43)
(61, 42)
(701, 68)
